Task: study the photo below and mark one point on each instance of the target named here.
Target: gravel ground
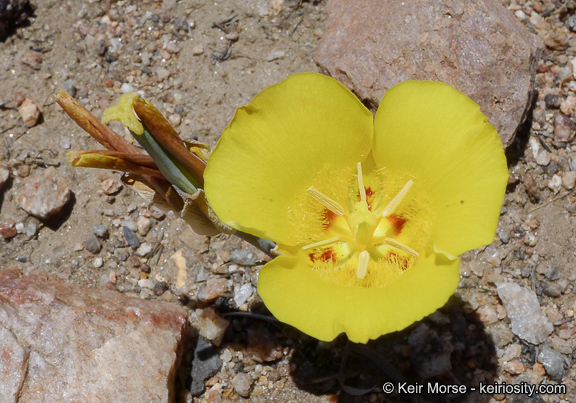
(198, 61)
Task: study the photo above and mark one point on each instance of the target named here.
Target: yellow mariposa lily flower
(369, 214)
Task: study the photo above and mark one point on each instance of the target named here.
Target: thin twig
(550, 202)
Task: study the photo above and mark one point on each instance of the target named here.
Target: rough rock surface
(64, 342)
(523, 309)
(478, 47)
(44, 194)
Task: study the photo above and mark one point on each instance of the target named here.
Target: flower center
(372, 239)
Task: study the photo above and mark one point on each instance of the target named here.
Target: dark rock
(92, 245)
(479, 47)
(131, 238)
(100, 231)
(553, 361)
(551, 289)
(552, 101)
(552, 273)
(206, 363)
(12, 14)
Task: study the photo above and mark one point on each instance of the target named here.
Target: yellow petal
(274, 147)
(437, 136)
(298, 296)
(124, 112)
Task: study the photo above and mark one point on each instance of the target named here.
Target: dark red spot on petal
(400, 259)
(329, 218)
(396, 222)
(325, 256)
(369, 197)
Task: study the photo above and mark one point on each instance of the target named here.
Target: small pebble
(126, 88)
(198, 49)
(569, 180)
(29, 113)
(31, 229)
(243, 257)
(552, 273)
(19, 98)
(242, 384)
(156, 213)
(111, 186)
(553, 362)
(211, 325)
(8, 229)
(160, 288)
(98, 262)
(175, 119)
(568, 105)
(131, 238)
(514, 367)
(32, 59)
(555, 183)
(44, 194)
(146, 283)
(92, 245)
(551, 289)
(242, 293)
(552, 101)
(214, 288)
(162, 73)
(144, 249)
(143, 225)
(100, 231)
(564, 128)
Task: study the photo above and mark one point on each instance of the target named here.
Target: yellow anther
(330, 204)
(363, 259)
(399, 245)
(361, 187)
(395, 202)
(322, 243)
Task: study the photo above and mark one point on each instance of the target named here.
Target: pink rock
(478, 47)
(43, 194)
(215, 287)
(29, 113)
(64, 342)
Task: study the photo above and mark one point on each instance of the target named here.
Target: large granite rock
(477, 46)
(62, 342)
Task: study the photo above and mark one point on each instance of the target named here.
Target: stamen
(330, 204)
(321, 243)
(395, 202)
(363, 259)
(361, 187)
(399, 245)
